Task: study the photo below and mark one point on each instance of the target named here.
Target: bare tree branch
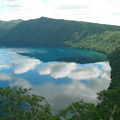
(79, 117)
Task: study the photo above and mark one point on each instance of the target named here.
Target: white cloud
(20, 64)
(72, 4)
(4, 66)
(21, 82)
(57, 70)
(72, 71)
(88, 72)
(87, 10)
(102, 11)
(60, 95)
(24, 64)
(25, 9)
(106, 70)
(5, 77)
(27, 50)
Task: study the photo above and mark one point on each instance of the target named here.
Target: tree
(18, 104)
(80, 111)
(107, 109)
(110, 103)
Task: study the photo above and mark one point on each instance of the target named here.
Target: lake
(61, 75)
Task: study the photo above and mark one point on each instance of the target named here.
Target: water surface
(61, 75)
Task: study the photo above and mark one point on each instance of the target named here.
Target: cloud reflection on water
(23, 65)
(60, 95)
(72, 71)
(86, 80)
(5, 77)
(57, 70)
(20, 64)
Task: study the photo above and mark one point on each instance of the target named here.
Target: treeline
(19, 103)
(114, 59)
(106, 42)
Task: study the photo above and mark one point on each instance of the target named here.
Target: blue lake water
(61, 75)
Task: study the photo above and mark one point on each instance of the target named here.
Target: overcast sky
(97, 11)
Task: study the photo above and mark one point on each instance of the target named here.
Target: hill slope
(51, 32)
(6, 26)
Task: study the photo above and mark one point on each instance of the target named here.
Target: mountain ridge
(43, 30)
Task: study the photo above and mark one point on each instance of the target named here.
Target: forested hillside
(6, 26)
(51, 32)
(62, 33)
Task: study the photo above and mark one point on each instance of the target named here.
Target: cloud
(102, 11)
(86, 72)
(24, 64)
(4, 66)
(106, 70)
(21, 82)
(64, 4)
(20, 64)
(25, 9)
(5, 77)
(60, 95)
(74, 72)
(57, 70)
(27, 50)
(91, 10)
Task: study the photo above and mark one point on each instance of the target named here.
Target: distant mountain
(20, 20)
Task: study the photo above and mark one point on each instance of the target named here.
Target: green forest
(79, 35)
(6, 26)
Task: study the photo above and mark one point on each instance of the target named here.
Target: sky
(96, 11)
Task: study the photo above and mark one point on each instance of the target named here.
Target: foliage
(109, 107)
(114, 58)
(18, 103)
(110, 99)
(80, 110)
(50, 32)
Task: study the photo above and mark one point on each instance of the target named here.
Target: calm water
(61, 75)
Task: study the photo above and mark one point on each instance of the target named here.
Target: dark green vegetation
(106, 110)
(50, 32)
(18, 104)
(5, 26)
(81, 35)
